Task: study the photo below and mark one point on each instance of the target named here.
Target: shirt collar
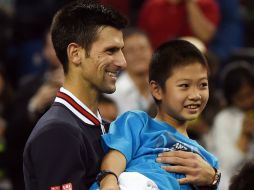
(70, 101)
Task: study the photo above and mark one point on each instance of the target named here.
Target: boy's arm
(115, 162)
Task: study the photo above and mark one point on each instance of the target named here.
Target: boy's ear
(74, 52)
(155, 90)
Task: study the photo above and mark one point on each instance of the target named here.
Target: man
(64, 150)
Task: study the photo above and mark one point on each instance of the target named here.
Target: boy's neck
(180, 126)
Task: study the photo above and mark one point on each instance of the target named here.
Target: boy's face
(101, 68)
(186, 92)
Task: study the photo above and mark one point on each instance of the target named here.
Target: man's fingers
(172, 160)
(177, 169)
(180, 154)
(184, 180)
(178, 161)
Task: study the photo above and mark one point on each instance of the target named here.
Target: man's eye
(111, 51)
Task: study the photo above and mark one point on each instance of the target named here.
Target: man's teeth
(112, 74)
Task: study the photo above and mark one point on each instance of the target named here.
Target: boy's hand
(109, 183)
(197, 170)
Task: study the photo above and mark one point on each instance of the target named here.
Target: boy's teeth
(192, 107)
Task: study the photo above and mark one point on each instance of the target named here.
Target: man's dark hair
(171, 55)
(78, 22)
(243, 180)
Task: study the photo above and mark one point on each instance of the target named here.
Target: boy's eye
(204, 84)
(183, 85)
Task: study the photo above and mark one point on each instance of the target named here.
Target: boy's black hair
(79, 22)
(173, 54)
(235, 75)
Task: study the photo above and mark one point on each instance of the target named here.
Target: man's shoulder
(56, 118)
(57, 113)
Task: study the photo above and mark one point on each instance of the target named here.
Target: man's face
(138, 53)
(186, 92)
(101, 68)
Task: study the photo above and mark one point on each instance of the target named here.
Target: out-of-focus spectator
(32, 99)
(108, 108)
(30, 19)
(7, 6)
(6, 95)
(243, 180)
(132, 89)
(5, 34)
(247, 10)
(167, 19)
(123, 6)
(229, 35)
(233, 129)
(128, 7)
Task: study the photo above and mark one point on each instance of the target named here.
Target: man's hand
(198, 171)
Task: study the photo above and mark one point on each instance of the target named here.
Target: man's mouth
(112, 74)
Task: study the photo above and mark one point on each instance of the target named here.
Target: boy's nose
(195, 96)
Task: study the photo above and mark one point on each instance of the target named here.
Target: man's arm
(57, 158)
(114, 162)
(198, 171)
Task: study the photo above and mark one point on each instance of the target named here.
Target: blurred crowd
(30, 73)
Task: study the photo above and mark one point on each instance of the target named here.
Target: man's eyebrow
(113, 47)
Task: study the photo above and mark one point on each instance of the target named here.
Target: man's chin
(109, 91)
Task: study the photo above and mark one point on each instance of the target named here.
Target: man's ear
(74, 52)
(155, 90)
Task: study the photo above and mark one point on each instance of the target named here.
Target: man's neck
(84, 93)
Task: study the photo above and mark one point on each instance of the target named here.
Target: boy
(178, 79)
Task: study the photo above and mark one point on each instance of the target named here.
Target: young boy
(178, 81)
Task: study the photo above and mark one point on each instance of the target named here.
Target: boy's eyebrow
(184, 79)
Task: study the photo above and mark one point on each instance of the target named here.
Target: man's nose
(121, 62)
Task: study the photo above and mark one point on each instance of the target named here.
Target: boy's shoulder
(135, 113)
(134, 116)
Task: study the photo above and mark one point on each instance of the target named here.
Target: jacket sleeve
(58, 158)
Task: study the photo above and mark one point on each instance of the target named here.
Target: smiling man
(64, 149)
